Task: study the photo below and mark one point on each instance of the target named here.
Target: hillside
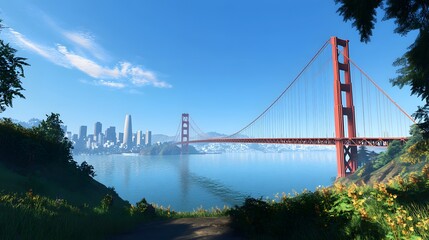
(45, 194)
(369, 176)
(166, 149)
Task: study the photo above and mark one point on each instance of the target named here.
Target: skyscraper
(120, 138)
(128, 132)
(111, 134)
(148, 138)
(139, 138)
(97, 128)
(82, 133)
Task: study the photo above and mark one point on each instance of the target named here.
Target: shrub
(87, 169)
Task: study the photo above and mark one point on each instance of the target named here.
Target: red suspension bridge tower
(185, 133)
(346, 154)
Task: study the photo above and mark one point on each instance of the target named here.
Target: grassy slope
(77, 190)
(393, 168)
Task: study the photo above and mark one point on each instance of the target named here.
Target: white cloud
(49, 53)
(122, 75)
(135, 74)
(86, 41)
(111, 84)
(140, 77)
(87, 66)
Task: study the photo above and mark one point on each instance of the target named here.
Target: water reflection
(188, 182)
(217, 188)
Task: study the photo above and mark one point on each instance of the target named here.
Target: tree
(409, 15)
(51, 128)
(362, 155)
(11, 72)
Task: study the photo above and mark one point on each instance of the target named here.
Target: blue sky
(221, 61)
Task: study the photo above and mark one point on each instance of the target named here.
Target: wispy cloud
(86, 41)
(101, 82)
(136, 75)
(49, 53)
(119, 76)
(86, 65)
(111, 84)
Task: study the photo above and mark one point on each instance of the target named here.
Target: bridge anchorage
(288, 119)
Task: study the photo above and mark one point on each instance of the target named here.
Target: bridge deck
(375, 142)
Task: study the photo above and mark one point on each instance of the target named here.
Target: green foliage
(419, 152)
(342, 212)
(50, 129)
(414, 71)
(393, 151)
(29, 149)
(413, 66)
(363, 155)
(11, 72)
(299, 217)
(362, 13)
(143, 208)
(416, 136)
(87, 169)
(31, 216)
(40, 158)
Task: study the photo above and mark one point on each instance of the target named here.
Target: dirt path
(184, 228)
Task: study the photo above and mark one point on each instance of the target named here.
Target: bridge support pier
(346, 155)
(185, 133)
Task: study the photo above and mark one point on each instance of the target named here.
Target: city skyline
(99, 69)
(110, 139)
(84, 131)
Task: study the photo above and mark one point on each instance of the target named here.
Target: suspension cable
(378, 87)
(284, 91)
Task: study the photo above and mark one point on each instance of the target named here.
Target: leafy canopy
(11, 72)
(413, 66)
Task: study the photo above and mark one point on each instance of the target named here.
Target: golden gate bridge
(321, 106)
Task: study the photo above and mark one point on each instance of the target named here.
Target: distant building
(75, 138)
(82, 133)
(100, 139)
(69, 135)
(97, 129)
(89, 141)
(120, 138)
(148, 138)
(128, 132)
(139, 137)
(110, 134)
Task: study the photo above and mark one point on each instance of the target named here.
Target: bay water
(188, 182)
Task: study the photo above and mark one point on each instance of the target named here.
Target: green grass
(30, 216)
(200, 212)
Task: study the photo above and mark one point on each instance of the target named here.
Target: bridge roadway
(373, 142)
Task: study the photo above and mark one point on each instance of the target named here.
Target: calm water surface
(189, 182)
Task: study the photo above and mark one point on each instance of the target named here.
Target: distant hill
(166, 149)
(33, 122)
(161, 138)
